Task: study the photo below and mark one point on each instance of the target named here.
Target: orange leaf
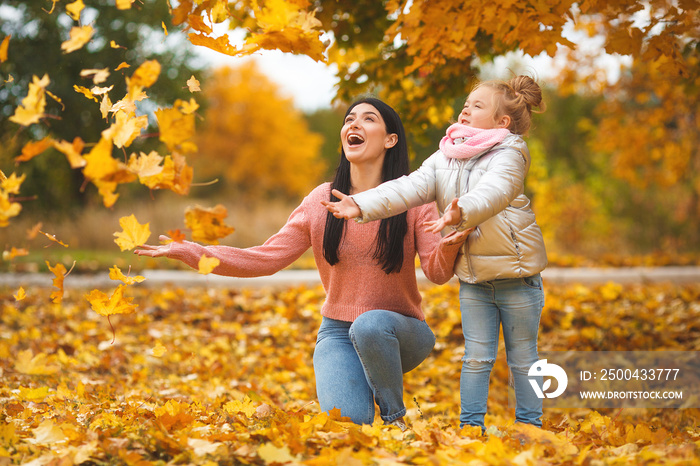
(176, 236)
(53, 238)
(33, 148)
(14, 252)
(134, 233)
(4, 45)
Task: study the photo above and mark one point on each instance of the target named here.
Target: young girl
(477, 178)
(373, 329)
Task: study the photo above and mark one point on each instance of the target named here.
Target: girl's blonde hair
(517, 98)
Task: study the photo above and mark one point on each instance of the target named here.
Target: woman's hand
(344, 208)
(457, 237)
(452, 216)
(162, 250)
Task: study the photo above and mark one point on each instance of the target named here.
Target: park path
(284, 278)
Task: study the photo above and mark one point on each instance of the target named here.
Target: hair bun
(525, 88)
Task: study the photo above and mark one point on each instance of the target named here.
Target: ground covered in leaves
(217, 376)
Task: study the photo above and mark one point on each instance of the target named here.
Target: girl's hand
(452, 216)
(162, 250)
(344, 208)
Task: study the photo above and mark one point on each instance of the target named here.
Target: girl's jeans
(517, 304)
(358, 362)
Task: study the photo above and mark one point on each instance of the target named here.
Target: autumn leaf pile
(224, 376)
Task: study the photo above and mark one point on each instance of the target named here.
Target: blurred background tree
(37, 28)
(255, 139)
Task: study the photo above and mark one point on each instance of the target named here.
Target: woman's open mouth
(355, 140)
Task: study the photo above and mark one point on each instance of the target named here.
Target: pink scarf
(464, 142)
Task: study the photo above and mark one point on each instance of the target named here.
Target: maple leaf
(176, 236)
(207, 224)
(220, 44)
(176, 127)
(34, 148)
(125, 129)
(20, 295)
(116, 303)
(4, 45)
(85, 91)
(60, 272)
(12, 183)
(32, 108)
(246, 406)
(206, 265)
(54, 239)
(72, 151)
(79, 36)
(74, 9)
(193, 84)
(8, 209)
(14, 252)
(145, 75)
(115, 273)
(122, 65)
(28, 363)
(134, 233)
(98, 75)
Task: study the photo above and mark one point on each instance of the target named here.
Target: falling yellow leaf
(188, 107)
(124, 4)
(116, 274)
(85, 91)
(12, 183)
(207, 224)
(207, 265)
(14, 252)
(32, 108)
(4, 45)
(72, 151)
(59, 270)
(74, 9)
(122, 65)
(20, 295)
(125, 129)
(114, 45)
(145, 75)
(54, 239)
(134, 233)
(8, 208)
(193, 84)
(33, 394)
(165, 30)
(79, 36)
(110, 305)
(98, 75)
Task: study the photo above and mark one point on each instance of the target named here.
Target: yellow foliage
(134, 234)
(257, 139)
(207, 224)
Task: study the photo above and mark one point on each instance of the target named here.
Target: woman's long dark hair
(392, 231)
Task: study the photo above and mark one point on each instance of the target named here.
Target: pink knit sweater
(357, 283)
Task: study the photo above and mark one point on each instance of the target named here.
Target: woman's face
(479, 110)
(364, 136)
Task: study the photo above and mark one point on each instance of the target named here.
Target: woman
(373, 329)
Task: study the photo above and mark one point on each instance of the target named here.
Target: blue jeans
(359, 362)
(517, 304)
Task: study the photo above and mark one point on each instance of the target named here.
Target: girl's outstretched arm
(452, 216)
(162, 250)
